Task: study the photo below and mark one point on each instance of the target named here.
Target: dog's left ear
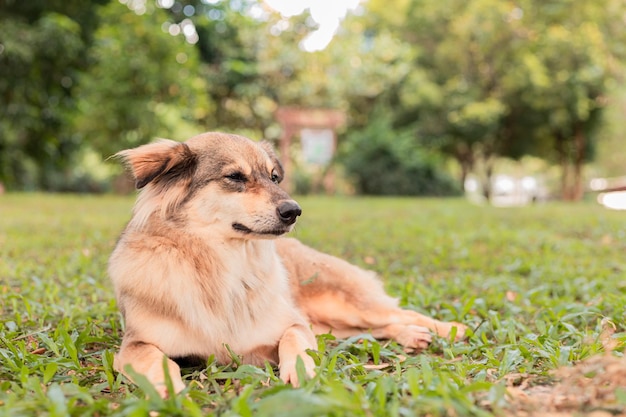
(267, 147)
(159, 160)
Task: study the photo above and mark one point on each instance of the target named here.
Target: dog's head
(224, 183)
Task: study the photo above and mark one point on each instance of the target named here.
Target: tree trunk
(465, 157)
(564, 161)
(572, 159)
(466, 168)
(579, 160)
(487, 191)
(565, 180)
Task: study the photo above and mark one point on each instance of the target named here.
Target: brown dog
(198, 269)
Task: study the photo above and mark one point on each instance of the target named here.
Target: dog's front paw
(414, 337)
(161, 388)
(460, 330)
(289, 374)
(445, 330)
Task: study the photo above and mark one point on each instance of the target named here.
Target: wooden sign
(317, 130)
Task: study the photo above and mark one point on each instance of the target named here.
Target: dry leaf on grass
(590, 386)
(606, 336)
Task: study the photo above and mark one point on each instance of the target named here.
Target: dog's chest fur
(233, 293)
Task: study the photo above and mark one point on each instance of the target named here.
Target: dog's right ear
(159, 160)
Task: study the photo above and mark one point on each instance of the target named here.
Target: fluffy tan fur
(199, 269)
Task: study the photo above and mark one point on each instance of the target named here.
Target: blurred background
(509, 101)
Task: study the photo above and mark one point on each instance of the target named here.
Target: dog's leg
(376, 313)
(382, 319)
(293, 345)
(147, 359)
(407, 327)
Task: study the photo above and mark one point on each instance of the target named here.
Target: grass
(534, 283)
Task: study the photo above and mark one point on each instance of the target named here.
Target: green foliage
(43, 51)
(563, 264)
(38, 65)
(387, 162)
(508, 79)
(475, 79)
(145, 83)
(77, 76)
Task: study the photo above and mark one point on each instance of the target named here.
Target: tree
(43, 48)
(145, 83)
(455, 94)
(380, 166)
(580, 49)
(507, 79)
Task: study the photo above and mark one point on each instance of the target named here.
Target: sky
(328, 14)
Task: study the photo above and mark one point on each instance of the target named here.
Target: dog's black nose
(288, 210)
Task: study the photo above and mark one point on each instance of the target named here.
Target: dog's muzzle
(288, 211)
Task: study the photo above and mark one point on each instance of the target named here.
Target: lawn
(542, 288)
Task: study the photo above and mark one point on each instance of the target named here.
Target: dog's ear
(159, 160)
(267, 147)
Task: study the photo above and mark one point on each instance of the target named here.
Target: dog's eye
(275, 178)
(236, 176)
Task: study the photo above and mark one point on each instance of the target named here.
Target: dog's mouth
(246, 230)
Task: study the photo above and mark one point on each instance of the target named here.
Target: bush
(382, 161)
